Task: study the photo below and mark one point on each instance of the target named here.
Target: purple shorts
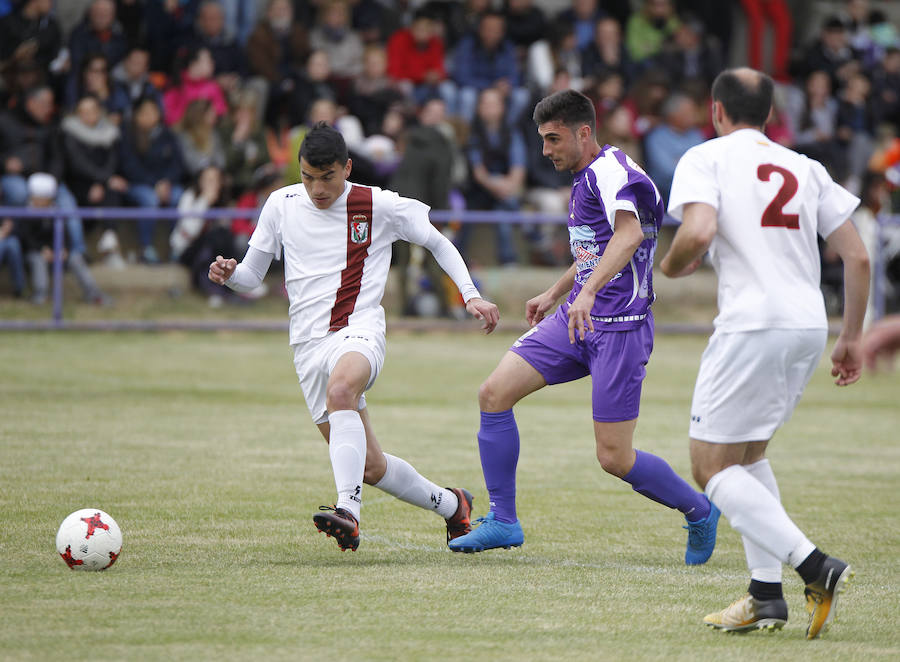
(615, 361)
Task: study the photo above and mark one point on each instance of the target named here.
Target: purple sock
(654, 478)
(498, 445)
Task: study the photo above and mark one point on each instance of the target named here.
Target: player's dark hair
(322, 146)
(745, 101)
(569, 107)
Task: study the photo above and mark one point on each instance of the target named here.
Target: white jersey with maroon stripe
(772, 203)
(336, 260)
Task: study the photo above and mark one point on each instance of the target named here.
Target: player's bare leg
(399, 479)
(652, 477)
(747, 495)
(498, 444)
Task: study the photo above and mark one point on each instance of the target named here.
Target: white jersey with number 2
(772, 203)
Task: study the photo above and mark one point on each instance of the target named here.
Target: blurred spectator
(425, 172)
(582, 16)
(497, 160)
(830, 53)
(547, 56)
(689, 56)
(415, 57)
(130, 14)
(96, 80)
(244, 142)
(344, 48)
(374, 93)
(99, 32)
(291, 101)
(486, 59)
(855, 128)
(133, 75)
(525, 22)
(32, 35)
(645, 100)
(607, 92)
(151, 162)
(616, 130)
(11, 256)
(201, 146)
(855, 17)
(29, 143)
(266, 179)
(91, 147)
(195, 81)
(170, 26)
(886, 87)
(196, 241)
(606, 53)
(668, 142)
(240, 17)
(778, 15)
(874, 199)
(37, 238)
(228, 57)
(813, 116)
(648, 29)
(277, 50)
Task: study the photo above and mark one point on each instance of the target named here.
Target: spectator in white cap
(37, 240)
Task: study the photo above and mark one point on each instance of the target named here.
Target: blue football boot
(491, 534)
(702, 538)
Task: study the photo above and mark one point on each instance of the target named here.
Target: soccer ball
(89, 539)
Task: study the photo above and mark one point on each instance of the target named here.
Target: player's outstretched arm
(847, 356)
(242, 277)
(699, 223)
(537, 307)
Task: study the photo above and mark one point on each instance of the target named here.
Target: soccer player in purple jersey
(604, 329)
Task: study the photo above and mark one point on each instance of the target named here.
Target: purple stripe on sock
(498, 445)
(655, 479)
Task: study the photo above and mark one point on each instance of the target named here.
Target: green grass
(201, 447)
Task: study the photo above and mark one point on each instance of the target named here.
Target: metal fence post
(59, 229)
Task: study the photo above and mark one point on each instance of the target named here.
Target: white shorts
(315, 359)
(751, 381)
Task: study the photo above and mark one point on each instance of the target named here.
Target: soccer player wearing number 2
(757, 207)
(604, 329)
(336, 240)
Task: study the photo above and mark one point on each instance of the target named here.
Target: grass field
(202, 449)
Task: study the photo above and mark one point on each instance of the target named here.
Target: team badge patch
(359, 229)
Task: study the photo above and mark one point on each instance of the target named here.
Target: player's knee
(612, 461)
(491, 398)
(341, 395)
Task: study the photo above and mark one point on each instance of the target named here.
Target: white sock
(763, 566)
(404, 482)
(347, 449)
(756, 514)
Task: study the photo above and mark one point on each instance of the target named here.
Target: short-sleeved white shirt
(336, 260)
(771, 202)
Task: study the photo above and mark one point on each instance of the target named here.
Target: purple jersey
(612, 182)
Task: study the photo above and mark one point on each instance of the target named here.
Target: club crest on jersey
(359, 229)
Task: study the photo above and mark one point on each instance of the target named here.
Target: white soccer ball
(89, 539)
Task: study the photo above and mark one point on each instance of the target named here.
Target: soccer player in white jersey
(336, 239)
(757, 207)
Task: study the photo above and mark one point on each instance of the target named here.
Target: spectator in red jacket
(196, 82)
(416, 58)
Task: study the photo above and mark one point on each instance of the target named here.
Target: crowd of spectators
(194, 104)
